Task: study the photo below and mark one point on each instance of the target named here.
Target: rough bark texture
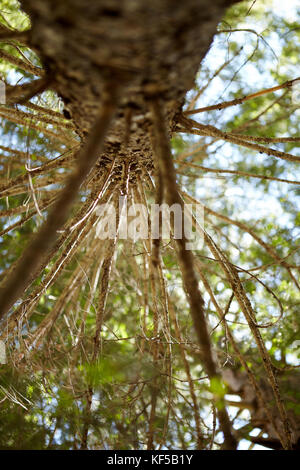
(155, 46)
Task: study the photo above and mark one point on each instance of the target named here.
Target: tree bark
(158, 45)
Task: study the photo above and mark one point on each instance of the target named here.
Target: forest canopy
(140, 343)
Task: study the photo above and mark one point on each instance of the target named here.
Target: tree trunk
(153, 46)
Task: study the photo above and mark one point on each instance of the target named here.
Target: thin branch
(227, 104)
(208, 130)
(39, 72)
(232, 172)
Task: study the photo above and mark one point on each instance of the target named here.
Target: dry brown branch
(226, 104)
(232, 172)
(20, 94)
(10, 33)
(39, 72)
(212, 131)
